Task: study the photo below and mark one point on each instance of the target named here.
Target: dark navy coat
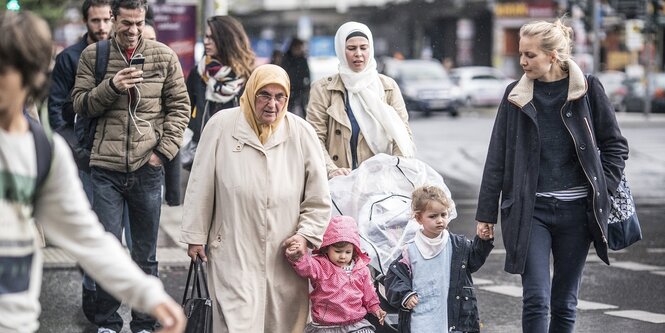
(511, 170)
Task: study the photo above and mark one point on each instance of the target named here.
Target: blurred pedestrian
(56, 201)
(295, 64)
(172, 168)
(97, 18)
(276, 57)
(258, 178)
(219, 78)
(556, 154)
(140, 125)
(358, 113)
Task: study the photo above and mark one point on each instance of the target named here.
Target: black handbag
(623, 226)
(198, 309)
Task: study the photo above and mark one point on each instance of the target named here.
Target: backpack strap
(101, 60)
(44, 152)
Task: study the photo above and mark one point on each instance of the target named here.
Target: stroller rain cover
(378, 196)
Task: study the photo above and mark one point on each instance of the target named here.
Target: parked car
(636, 90)
(425, 86)
(480, 85)
(615, 86)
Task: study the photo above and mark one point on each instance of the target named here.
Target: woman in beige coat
(258, 178)
(358, 113)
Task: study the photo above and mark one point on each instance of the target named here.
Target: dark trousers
(141, 192)
(560, 228)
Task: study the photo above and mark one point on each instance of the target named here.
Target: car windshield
(421, 72)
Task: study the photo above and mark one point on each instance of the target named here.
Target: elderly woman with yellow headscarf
(258, 178)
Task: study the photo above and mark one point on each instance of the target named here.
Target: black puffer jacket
(468, 256)
(511, 168)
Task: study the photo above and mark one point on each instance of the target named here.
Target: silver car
(480, 85)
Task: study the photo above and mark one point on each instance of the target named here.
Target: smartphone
(137, 62)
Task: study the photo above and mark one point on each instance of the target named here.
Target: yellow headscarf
(261, 77)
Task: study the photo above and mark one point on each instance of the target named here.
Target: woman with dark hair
(219, 78)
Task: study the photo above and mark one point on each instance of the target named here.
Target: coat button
(335, 158)
(329, 78)
(457, 297)
(582, 147)
(597, 194)
(569, 114)
(595, 178)
(338, 131)
(463, 266)
(466, 298)
(600, 210)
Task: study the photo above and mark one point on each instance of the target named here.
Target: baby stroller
(378, 195)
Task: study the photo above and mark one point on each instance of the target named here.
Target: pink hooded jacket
(339, 298)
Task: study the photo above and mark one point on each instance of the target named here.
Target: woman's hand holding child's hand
(296, 247)
(485, 230)
(381, 315)
(411, 302)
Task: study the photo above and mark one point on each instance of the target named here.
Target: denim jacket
(468, 256)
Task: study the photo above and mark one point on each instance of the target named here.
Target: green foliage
(51, 10)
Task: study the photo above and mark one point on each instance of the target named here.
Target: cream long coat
(243, 200)
(327, 114)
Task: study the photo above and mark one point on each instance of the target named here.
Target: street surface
(624, 297)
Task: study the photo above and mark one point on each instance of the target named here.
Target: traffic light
(13, 5)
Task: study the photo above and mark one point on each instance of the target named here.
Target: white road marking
(586, 305)
(651, 317)
(512, 291)
(662, 273)
(635, 266)
(656, 250)
(481, 282)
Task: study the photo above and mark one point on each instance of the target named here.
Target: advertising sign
(176, 27)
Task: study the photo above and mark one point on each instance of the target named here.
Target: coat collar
(244, 133)
(522, 93)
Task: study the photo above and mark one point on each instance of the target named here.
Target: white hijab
(378, 121)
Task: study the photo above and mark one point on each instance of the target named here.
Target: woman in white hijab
(358, 113)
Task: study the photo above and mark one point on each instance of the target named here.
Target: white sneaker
(105, 330)
(142, 331)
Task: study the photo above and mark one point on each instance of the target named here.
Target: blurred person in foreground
(358, 112)
(61, 116)
(59, 204)
(141, 114)
(555, 156)
(258, 178)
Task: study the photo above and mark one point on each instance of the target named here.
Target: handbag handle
(195, 269)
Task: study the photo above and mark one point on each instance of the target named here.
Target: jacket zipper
(588, 127)
(593, 185)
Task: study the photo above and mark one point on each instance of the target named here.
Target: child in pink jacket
(343, 291)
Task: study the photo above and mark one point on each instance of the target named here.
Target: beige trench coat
(243, 200)
(327, 114)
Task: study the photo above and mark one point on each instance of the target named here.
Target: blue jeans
(141, 192)
(559, 227)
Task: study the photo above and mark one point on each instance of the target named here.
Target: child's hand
(293, 252)
(485, 230)
(381, 315)
(411, 302)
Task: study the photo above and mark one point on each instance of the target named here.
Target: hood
(342, 229)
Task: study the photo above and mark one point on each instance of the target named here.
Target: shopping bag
(196, 303)
(623, 226)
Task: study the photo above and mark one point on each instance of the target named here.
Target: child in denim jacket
(430, 282)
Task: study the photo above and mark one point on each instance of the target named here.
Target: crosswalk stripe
(586, 305)
(635, 266)
(651, 317)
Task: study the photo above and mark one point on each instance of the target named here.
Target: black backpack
(85, 127)
(44, 152)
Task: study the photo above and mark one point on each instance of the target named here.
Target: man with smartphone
(142, 111)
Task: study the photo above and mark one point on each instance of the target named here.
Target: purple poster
(176, 27)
